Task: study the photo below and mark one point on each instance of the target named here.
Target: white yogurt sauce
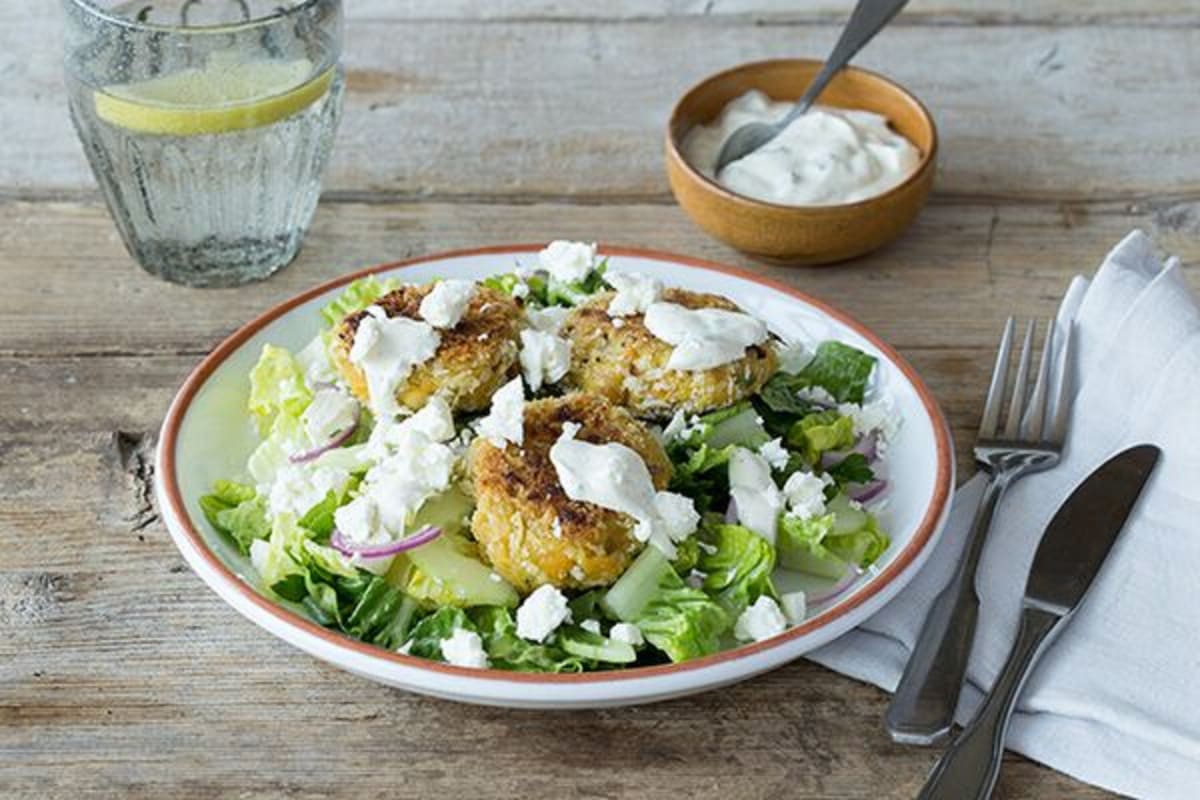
(827, 156)
(703, 338)
(615, 477)
(387, 348)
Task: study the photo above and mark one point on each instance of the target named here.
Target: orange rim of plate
(198, 377)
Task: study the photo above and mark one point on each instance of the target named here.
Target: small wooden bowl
(801, 234)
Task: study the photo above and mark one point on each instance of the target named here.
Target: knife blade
(1084, 529)
(1071, 553)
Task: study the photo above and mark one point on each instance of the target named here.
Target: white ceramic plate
(205, 437)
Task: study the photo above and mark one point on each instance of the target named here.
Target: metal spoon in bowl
(868, 19)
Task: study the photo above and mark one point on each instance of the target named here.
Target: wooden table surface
(1064, 125)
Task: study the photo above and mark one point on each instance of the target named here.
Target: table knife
(1071, 553)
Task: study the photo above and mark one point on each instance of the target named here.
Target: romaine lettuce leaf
(737, 565)
(357, 296)
(425, 638)
(237, 511)
(506, 650)
(854, 468)
(277, 385)
(820, 432)
(841, 370)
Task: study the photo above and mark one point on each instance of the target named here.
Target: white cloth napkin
(1116, 700)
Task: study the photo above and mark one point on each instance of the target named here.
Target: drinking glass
(207, 124)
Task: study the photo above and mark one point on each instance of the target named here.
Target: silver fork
(922, 710)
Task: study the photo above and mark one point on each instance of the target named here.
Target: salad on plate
(560, 468)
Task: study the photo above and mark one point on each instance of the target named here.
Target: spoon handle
(868, 19)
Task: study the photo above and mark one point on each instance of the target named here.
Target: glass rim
(89, 7)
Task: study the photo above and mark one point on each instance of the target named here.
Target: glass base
(217, 263)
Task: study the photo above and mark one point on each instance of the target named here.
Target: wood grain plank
(552, 108)
(964, 267)
(122, 675)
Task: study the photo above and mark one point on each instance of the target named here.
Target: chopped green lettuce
(276, 385)
(425, 638)
(506, 650)
(821, 432)
(852, 469)
(237, 511)
(841, 370)
(585, 644)
(737, 565)
(356, 296)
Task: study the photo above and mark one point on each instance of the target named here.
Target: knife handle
(968, 770)
(922, 709)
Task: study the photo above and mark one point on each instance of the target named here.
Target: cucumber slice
(585, 644)
(445, 573)
(846, 519)
(634, 590)
(743, 428)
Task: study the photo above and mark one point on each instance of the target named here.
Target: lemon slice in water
(225, 95)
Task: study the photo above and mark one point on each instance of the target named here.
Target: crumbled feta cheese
(677, 515)
(506, 421)
(314, 360)
(775, 454)
(296, 488)
(387, 349)
(793, 357)
(795, 606)
(330, 413)
(520, 289)
(541, 613)
(634, 293)
(816, 394)
(577, 573)
(556, 528)
(627, 634)
(695, 579)
(618, 323)
(805, 493)
(591, 626)
(879, 416)
(464, 648)
(568, 262)
(675, 427)
(412, 467)
(545, 358)
(446, 302)
(760, 621)
(703, 338)
(405, 648)
(754, 493)
(549, 319)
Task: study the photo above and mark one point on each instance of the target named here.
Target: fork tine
(1035, 416)
(1012, 426)
(1062, 399)
(995, 395)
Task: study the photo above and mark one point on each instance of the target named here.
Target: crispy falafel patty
(473, 359)
(527, 527)
(618, 358)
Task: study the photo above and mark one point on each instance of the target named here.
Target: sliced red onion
(839, 588)
(336, 441)
(731, 514)
(868, 446)
(867, 491)
(348, 548)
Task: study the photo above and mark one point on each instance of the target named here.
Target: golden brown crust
(627, 364)
(474, 358)
(518, 498)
